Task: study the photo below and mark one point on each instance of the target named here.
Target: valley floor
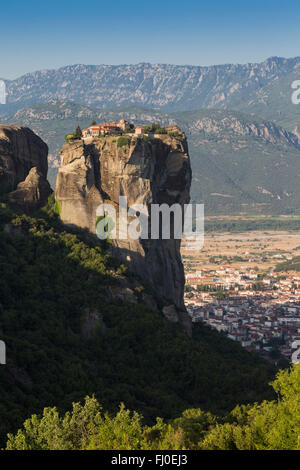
(245, 285)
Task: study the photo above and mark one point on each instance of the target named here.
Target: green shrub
(6, 213)
(53, 206)
(271, 425)
(69, 138)
(155, 129)
(57, 207)
(176, 134)
(123, 141)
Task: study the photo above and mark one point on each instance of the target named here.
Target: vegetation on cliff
(77, 134)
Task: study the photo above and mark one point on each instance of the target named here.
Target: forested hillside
(69, 333)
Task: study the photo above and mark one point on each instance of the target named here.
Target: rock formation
(31, 194)
(20, 150)
(23, 160)
(152, 169)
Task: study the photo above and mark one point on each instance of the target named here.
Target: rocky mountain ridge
(263, 89)
(235, 124)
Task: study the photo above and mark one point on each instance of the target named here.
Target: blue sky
(36, 35)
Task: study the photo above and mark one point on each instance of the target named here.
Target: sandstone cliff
(31, 194)
(23, 160)
(148, 170)
(20, 150)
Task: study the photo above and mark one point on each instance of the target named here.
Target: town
(256, 306)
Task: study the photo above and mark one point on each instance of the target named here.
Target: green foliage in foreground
(267, 426)
(52, 278)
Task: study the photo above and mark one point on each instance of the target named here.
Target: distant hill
(241, 163)
(263, 89)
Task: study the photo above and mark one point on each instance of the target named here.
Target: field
(258, 223)
(259, 250)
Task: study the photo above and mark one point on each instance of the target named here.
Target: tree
(270, 425)
(78, 133)
(266, 426)
(53, 432)
(123, 142)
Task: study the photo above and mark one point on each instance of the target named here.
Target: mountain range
(76, 320)
(242, 127)
(241, 163)
(263, 89)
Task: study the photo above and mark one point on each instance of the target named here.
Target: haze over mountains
(247, 162)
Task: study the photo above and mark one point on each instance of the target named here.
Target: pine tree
(78, 133)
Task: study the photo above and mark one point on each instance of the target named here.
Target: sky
(36, 34)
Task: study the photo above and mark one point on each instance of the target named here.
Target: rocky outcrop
(20, 150)
(31, 194)
(148, 170)
(234, 125)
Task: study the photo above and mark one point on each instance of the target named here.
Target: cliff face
(23, 159)
(31, 194)
(20, 150)
(147, 170)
